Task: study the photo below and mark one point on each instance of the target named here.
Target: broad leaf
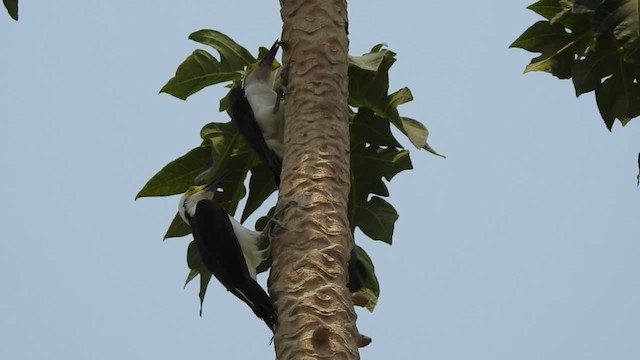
(587, 73)
(547, 8)
(178, 175)
(194, 261)
(585, 6)
(177, 228)
(12, 8)
(190, 276)
(201, 69)
(368, 128)
(418, 134)
(231, 155)
(400, 97)
(622, 19)
(233, 57)
(367, 62)
(362, 277)
(375, 154)
(369, 86)
(376, 218)
(555, 45)
(196, 266)
(204, 283)
(619, 97)
(197, 71)
(373, 145)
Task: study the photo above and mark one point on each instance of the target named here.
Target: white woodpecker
(229, 250)
(255, 110)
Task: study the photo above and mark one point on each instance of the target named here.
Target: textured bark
(309, 271)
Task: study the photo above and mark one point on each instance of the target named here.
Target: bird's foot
(276, 219)
(280, 97)
(281, 90)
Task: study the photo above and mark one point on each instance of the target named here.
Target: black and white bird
(255, 110)
(229, 250)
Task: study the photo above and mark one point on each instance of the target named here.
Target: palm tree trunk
(310, 254)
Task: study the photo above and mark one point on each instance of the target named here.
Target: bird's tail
(260, 302)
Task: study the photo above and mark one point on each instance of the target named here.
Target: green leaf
(367, 62)
(196, 266)
(373, 145)
(400, 97)
(587, 73)
(231, 155)
(261, 223)
(362, 277)
(204, 282)
(261, 186)
(556, 11)
(622, 19)
(194, 260)
(12, 8)
(178, 175)
(554, 44)
(197, 71)
(568, 13)
(201, 69)
(585, 6)
(190, 276)
(374, 154)
(546, 8)
(374, 151)
(368, 88)
(619, 97)
(367, 128)
(178, 228)
(233, 57)
(377, 219)
(418, 134)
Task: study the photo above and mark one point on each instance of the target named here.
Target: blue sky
(523, 243)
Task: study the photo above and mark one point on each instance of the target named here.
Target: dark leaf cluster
(596, 43)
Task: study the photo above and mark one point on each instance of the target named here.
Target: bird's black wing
(221, 254)
(244, 120)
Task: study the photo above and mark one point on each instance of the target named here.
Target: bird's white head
(260, 72)
(191, 197)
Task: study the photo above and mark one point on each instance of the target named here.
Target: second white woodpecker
(255, 110)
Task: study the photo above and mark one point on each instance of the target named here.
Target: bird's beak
(270, 56)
